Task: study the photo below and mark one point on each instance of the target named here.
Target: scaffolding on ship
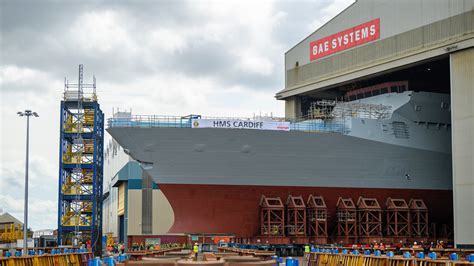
(333, 110)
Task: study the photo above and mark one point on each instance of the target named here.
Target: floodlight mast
(26, 113)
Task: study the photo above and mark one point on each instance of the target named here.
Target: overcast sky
(215, 58)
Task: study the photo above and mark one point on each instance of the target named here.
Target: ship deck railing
(161, 121)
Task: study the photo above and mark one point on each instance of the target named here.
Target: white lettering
(320, 49)
(315, 50)
(339, 39)
(357, 35)
(372, 30)
(352, 36)
(326, 46)
(346, 39)
(334, 43)
(365, 32)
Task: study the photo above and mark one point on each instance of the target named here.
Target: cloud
(327, 12)
(222, 41)
(99, 32)
(41, 214)
(175, 41)
(42, 191)
(161, 57)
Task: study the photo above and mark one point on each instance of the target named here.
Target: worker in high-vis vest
(306, 249)
(195, 250)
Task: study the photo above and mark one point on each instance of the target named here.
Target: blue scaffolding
(80, 166)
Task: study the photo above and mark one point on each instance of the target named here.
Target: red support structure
(272, 217)
(398, 219)
(346, 220)
(369, 220)
(434, 232)
(447, 232)
(418, 218)
(296, 216)
(317, 217)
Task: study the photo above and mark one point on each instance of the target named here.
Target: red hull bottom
(234, 209)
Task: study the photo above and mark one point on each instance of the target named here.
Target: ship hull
(214, 178)
(234, 209)
(266, 157)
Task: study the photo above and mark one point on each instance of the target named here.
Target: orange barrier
(327, 259)
(75, 259)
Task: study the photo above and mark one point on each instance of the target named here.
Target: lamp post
(26, 113)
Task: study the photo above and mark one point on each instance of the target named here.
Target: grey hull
(265, 157)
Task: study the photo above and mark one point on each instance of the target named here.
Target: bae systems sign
(346, 39)
(242, 124)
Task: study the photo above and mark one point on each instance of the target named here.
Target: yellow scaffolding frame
(83, 122)
(79, 153)
(78, 183)
(81, 215)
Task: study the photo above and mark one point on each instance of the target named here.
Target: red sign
(346, 39)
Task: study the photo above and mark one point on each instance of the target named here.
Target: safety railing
(152, 121)
(75, 95)
(338, 126)
(146, 121)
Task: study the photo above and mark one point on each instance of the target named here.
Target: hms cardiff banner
(243, 124)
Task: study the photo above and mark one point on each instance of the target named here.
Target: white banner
(242, 124)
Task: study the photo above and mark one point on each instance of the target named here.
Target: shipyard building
(427, 44)
(377, 143)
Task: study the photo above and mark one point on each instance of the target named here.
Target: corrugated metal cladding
(147, 203)
(405, 26)
(462, 99)
(395, 17)
(426, 37)
(121, 199)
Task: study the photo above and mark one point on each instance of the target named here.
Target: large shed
(429, 44)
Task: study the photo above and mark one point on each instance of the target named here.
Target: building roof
(7, 218)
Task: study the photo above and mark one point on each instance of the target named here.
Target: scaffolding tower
(317, 217)
(369, 220)
(346, 220)
(80, 166)
(418, 218)
(272, 216)
(398, 218)
(296, 216)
